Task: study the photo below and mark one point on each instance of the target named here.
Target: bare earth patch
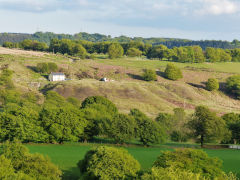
(20, 52)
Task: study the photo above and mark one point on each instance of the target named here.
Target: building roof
(57, 73)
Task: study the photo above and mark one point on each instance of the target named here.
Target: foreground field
(67, 156)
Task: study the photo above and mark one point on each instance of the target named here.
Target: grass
(66, 156)
(228, 67)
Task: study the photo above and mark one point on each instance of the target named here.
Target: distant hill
(169, 42)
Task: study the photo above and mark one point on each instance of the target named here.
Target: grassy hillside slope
(127, 90)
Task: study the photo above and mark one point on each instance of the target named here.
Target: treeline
(192, 54)
(169, 42)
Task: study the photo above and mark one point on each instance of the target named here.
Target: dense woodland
(169, 42)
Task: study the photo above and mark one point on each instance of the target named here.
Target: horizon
(118, 36)
(184, 19)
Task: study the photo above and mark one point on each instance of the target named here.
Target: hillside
(127, 90)
(96, 37)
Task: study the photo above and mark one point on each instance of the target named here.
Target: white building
(57, 76)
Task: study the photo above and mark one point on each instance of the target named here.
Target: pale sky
(191, 19)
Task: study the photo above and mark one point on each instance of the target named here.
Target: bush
(115, 50)
(195, 161)
(133, 52)
(170, 173)
(9, 44)
(149, 75)
(46, 67)
(35, 166)
(212, 84)
(108, 163)
(233, 85)
(6, 79)
(172, 72)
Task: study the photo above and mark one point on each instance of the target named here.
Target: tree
(8, 172)
(235, 53)
(166, 121)
(225, 56)
(8, 44)
(133, 52)
(198, 54)
(191, 160)
(212, 84)
(98, 120)
(35, 166)
(149, 75)
(63, 123)
(212, 54)
(22, 123)
(207, 125)
(80, 51)
(115, 50)
(108, 163)
(42, 68)
(121, 128)
(149, 131)
(233, 85)
(174, 124)
(52, 67)
(93, 100)
(172, 72)
(159, 52)
(183, 54)
(233, 123)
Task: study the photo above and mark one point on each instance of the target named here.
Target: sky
(188, 19)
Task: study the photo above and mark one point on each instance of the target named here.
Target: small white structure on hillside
(104, 79)
(57, 76)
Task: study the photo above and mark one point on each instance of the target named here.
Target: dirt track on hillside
(20, 52)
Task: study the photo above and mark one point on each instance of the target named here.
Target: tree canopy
(108, 163)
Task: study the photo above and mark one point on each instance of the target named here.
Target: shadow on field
(72, 174)
(135, 76)
(48, 87)
(201, 86)
(33, 68)
(223, 88)
(160, 73)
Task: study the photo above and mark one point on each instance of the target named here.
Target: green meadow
(227, 67)
(67, 156)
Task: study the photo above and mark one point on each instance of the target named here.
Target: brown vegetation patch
(181, 104)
